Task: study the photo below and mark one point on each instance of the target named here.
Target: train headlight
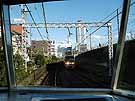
(72, 63)
(67, 63)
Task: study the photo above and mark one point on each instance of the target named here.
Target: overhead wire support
(69, 31)
(98, 28)
(64, 25)
(69, 34)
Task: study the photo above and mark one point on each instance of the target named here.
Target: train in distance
(69, 59)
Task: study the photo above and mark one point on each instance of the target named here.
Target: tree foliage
(3, 73)
(52, 59)
(18, 60)
(39, 60)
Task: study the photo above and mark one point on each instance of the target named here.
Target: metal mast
(110, 49)
(24, 36)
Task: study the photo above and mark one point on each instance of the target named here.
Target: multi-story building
(52, 48)
(17, 41)
(16, 31)
(40, 46)
(61, 49)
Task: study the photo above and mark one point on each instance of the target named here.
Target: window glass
(127, 76)
(44, 34)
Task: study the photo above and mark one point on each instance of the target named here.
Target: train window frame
(3, 88)
(120, 50)
(11, 77)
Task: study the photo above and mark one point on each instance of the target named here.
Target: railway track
(44, 81)
(62, 77)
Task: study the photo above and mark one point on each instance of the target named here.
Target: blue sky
(69, 11)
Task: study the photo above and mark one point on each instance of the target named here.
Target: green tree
(19, 67)
(3, 76)
(18, 60)
(54, 59)
(39, 60)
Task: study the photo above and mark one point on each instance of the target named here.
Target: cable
(34, 22)
(35, 7)
(100, 26)
(104, 23)
(109, 15)
(69, 31)
(115, 11)
(45, 20)
(36, 25)
(98, 29)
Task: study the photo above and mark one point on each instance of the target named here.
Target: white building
(16, 31)
(17, 41)
(61, 48)
(53, 48)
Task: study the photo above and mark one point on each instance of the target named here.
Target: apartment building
(40, 46)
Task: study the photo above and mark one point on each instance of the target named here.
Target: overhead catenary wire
(39, 15)
(132, 3)
(97, 29)
(36, 25)
(45, 19)
(100, 26)
(103, 24)
(34, 22)
(130, 23)
(109, 15)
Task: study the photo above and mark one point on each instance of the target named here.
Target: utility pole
(24, 36)
(80, 34)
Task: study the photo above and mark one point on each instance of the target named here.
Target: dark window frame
(9, 58)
